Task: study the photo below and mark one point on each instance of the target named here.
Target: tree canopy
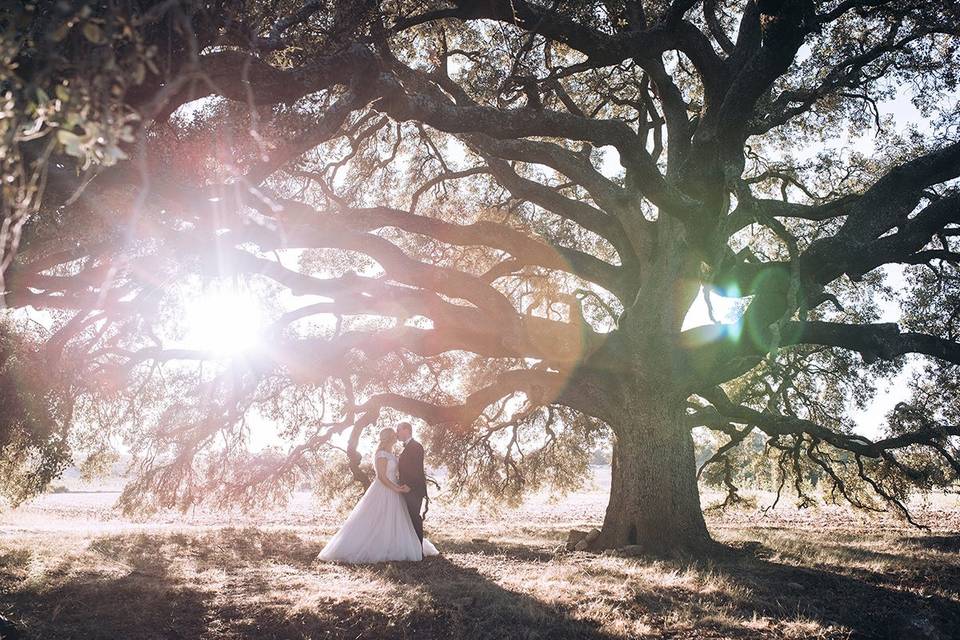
(492, 217)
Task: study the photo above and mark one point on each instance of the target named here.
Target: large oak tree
(490, 216)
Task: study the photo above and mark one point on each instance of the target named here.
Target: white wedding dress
(379, 528)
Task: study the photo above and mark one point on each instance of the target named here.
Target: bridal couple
(386, 524)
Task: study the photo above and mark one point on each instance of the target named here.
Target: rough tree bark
(654, 500)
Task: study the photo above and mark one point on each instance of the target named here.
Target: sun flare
(226, 322)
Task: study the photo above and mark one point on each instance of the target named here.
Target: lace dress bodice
(391, 459)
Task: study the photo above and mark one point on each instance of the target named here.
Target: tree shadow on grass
(438, 598)
(462, 603)
(833, 599)
(917, 560)
(448, 599)
(123, 586)
(133, 587)
(941, 543)
(521, 552)
(267, 585)
(87, 604)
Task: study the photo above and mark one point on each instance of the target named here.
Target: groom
(412, 475)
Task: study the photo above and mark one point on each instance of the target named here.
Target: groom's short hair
(404, 425)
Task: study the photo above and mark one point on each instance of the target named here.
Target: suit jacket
(411, 468)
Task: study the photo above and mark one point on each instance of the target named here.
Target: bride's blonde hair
(385, 436)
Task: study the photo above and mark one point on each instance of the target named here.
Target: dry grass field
(71, 568)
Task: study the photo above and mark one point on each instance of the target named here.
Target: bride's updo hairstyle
(388, 438)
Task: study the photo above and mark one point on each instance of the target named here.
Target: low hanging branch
(514, 273)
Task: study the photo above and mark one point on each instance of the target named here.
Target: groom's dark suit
(412, 475)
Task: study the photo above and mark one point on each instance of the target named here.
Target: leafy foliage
(493, 218)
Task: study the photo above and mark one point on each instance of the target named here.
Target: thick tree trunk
(654, 499)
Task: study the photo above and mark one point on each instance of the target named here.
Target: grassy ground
(69, 569)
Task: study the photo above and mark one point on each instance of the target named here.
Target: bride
(379, 528)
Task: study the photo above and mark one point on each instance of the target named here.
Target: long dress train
(379, 528)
